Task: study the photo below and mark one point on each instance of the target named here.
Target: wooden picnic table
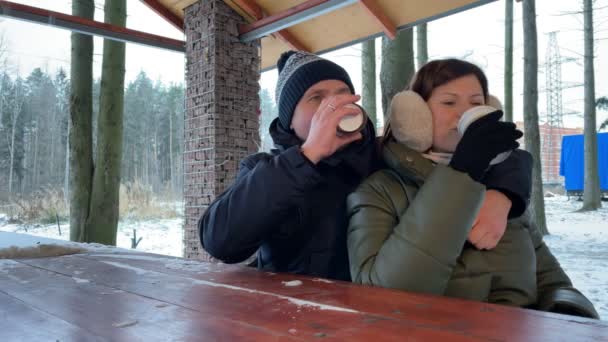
(117, 295)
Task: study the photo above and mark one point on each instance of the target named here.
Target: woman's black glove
(483, 140)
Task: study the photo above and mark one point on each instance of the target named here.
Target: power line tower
(552, 135)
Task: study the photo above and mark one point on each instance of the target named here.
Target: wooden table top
(116, 295)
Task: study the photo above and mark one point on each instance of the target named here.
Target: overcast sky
(477, 34)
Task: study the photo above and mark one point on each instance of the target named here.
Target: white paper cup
(471, 116)
(352, 123)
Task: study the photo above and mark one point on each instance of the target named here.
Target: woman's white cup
(472, 115)
(353, 122)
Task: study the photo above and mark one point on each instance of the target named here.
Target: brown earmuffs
(410, 120)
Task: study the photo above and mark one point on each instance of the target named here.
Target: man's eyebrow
(316, 92)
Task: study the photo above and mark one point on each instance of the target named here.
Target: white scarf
(439, 157)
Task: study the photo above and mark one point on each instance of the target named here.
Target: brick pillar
(222, 105)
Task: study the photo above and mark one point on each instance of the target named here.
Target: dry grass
(137, 202)
(43, 206)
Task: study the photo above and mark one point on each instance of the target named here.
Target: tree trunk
(17, 109)
(508, 100)
(532, 135)
(66, 172)
(137, 165)
(26, 153)
(103, 215)
(171, 182)
(602, 103)
(12, 156)
(53, 124)
(422, 53)
(146, 157)
(368, 77)
(592, 198)
(397, 66)
(157, 161)
(35, 165)
(81, 113)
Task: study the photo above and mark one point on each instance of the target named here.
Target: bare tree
(508, 100)
(3, 68)
(397, 65)
(81, 117)
(102, 223)
(171, 179)
(422, 52)
(368, 77)
(592, 198)
(16, 108)
(602, 103)
(532, 135)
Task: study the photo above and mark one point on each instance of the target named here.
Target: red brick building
(551, 143)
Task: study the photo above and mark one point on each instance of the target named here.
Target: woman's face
(448, 102)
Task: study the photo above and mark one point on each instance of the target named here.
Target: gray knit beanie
(298, 71)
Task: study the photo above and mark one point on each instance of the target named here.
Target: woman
(409, 223)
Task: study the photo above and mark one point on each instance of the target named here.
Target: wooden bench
(117, 295)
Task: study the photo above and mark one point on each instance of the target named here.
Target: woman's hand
(491, 222)
(483, 141)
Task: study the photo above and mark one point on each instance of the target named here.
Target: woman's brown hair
(439, 72)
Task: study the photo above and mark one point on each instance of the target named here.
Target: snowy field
(162, 236)
(580, 243)
(578, 240)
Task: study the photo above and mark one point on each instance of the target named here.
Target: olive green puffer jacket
(408, 230)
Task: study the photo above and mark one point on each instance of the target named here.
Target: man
(289, 205)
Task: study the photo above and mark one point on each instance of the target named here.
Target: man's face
(309, 104)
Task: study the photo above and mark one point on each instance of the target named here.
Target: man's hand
(323, 140)
(491, 222)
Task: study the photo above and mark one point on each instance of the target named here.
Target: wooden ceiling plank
(378, 14)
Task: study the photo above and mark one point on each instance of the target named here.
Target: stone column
(222, 109)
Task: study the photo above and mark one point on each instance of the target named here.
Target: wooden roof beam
(251, 8)
(254, 10)
(378, 14)
(290, 17)
(289, 39)
(86, 26)
(165, 13)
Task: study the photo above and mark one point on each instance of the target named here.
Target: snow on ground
(162, 236)
(578, 240)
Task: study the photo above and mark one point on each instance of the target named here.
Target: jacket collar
(408, 163)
